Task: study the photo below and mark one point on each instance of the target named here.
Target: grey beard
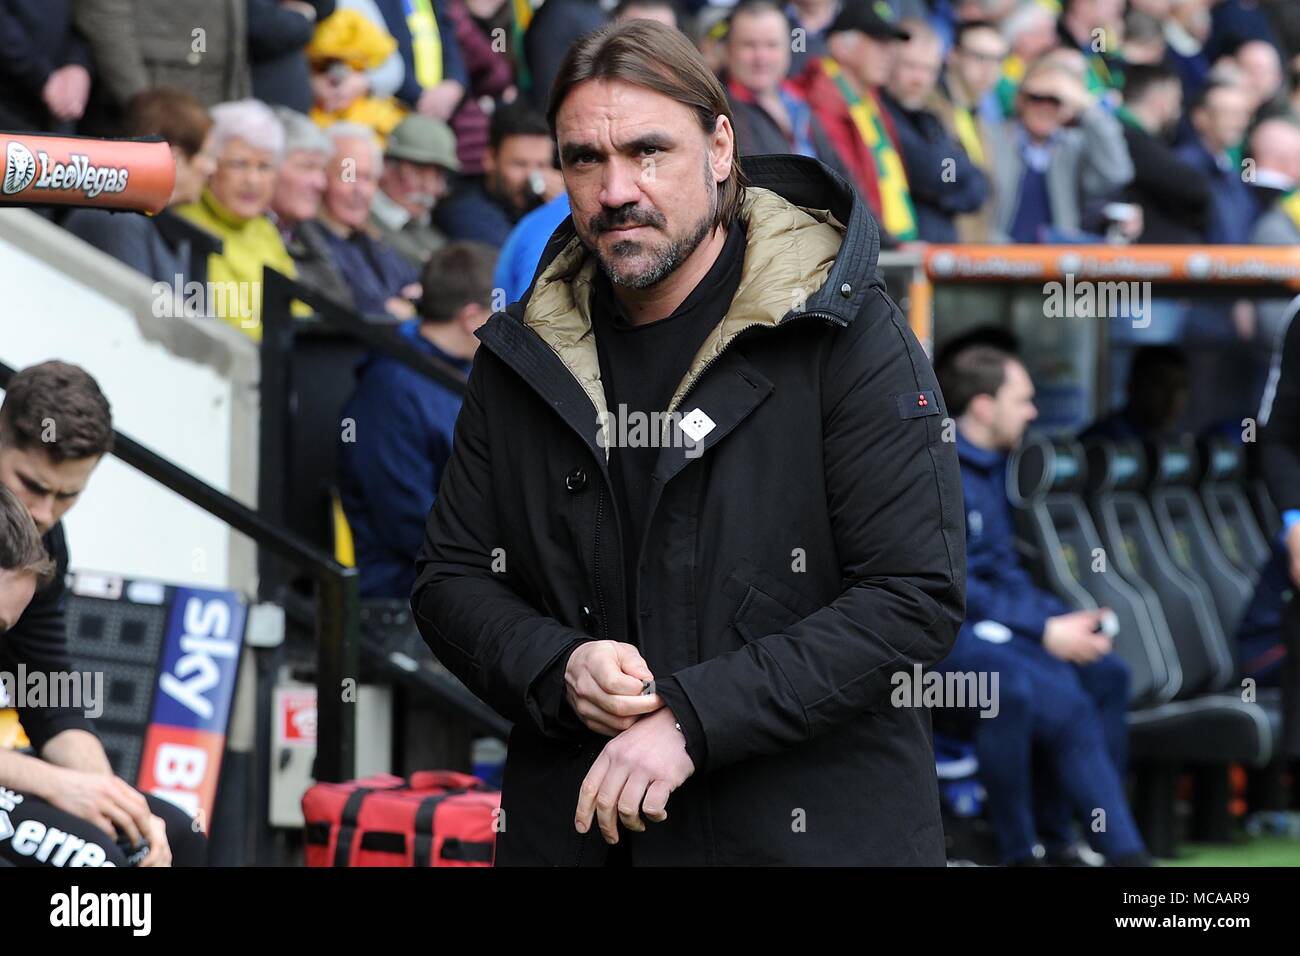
(667, 261)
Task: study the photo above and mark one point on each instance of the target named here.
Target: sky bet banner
(191, 704)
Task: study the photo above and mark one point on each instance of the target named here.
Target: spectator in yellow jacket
(248, 142)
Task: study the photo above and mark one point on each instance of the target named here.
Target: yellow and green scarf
(426, 42)
(896, 210)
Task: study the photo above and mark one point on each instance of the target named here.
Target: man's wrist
(77, 749)
(26, 774)
(684, 718)
(1290, 518)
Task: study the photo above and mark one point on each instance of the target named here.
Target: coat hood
(811, 247)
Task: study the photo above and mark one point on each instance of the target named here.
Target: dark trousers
(1074, 719)
(36, 833)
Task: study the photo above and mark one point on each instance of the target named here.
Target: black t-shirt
(39, 641)
(641, 367)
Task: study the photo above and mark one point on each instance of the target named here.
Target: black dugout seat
(1187, 534)
(1172, 719)
(1047, 479)
(1120, 562)
(1228, 508)
(1117, 473)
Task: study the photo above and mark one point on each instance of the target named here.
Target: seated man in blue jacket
(397, 427)
(1061, 691)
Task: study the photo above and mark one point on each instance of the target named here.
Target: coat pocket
(767, 604)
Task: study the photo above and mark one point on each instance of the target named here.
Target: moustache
(626, 216)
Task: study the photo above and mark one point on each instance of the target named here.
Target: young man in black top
(55, 427)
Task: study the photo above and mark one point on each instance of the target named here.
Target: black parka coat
(808, 550)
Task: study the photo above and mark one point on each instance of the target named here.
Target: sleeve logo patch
(917, 404)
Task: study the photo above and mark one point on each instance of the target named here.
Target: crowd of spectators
(394, 156)
(346, 143)
(1147, 121)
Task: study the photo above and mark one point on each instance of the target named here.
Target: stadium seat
(1204, 654)
(323, 373)
(1172, 725)
(1228, 508)
(1047, 478)
(1116, 475)
(1265, 511)
(1171, 719)
(1187, 534)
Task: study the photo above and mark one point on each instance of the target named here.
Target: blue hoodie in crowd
(998, 588)
(389, 473)
(522, 253)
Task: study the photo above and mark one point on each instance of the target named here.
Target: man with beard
(421, 154)
(699, 510)
(518, 176)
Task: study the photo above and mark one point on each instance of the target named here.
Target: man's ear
(722, 149)
(471, 316)
(980, 408)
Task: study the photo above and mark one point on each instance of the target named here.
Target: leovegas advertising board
(82, 171)
(1186, 264)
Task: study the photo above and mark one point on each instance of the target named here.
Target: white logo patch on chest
(696, 424)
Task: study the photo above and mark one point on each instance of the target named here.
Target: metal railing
(279, 329)
(336, 595)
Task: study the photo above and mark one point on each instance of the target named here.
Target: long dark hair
(647, 53)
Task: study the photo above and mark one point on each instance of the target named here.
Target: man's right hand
(1074, 638)
(108, 802)
(602, 683)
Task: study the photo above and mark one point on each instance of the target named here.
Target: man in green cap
(421, 152)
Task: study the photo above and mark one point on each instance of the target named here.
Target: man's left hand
(634, 774)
